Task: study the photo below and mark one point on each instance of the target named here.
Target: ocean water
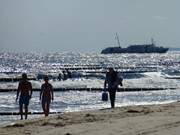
(51, 62)
(77, 101)
(160, 71)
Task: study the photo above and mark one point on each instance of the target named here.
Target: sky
(86, 25)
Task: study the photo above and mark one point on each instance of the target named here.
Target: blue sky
(86, 25)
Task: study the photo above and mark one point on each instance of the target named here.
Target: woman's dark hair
(46, 78)
(24, 76)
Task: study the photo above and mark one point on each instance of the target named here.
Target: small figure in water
(69, 73)
(59, 77)
(25, 90)
(113, 81)
(65, 76)
(46, 95)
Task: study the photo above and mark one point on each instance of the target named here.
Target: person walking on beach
(46, 95)
(113, 81)
(25, 91)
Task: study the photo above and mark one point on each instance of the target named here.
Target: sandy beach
(132, 120)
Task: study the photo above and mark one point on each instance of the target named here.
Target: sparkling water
(166, 66)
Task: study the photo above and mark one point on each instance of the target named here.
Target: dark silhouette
(59, 77)
(144, 48)
(25, 91)
(104, 96)
(69, 73)
(65, 76)
(113, 81)
(40, 76)
(46, 95)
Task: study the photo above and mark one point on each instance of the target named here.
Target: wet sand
(133, 120)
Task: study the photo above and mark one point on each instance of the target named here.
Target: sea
(88, 71)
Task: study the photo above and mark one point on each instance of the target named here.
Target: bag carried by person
(118, 81)
(104, 96)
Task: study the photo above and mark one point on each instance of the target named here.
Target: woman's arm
(18, 91)
(31, 91)
(52, 93)
(105, 82)
(41, 92)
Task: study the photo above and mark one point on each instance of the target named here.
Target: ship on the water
(144, 48)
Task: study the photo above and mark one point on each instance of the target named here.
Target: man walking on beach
(113, 81)
(25, 91)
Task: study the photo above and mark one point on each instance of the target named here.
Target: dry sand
(134, 120)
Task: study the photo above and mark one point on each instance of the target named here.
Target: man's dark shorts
(24, 100)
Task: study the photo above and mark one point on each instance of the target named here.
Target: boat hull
(135, 49)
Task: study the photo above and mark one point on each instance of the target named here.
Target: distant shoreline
(174, 49)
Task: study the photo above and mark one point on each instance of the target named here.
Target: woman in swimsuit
(46, 95)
